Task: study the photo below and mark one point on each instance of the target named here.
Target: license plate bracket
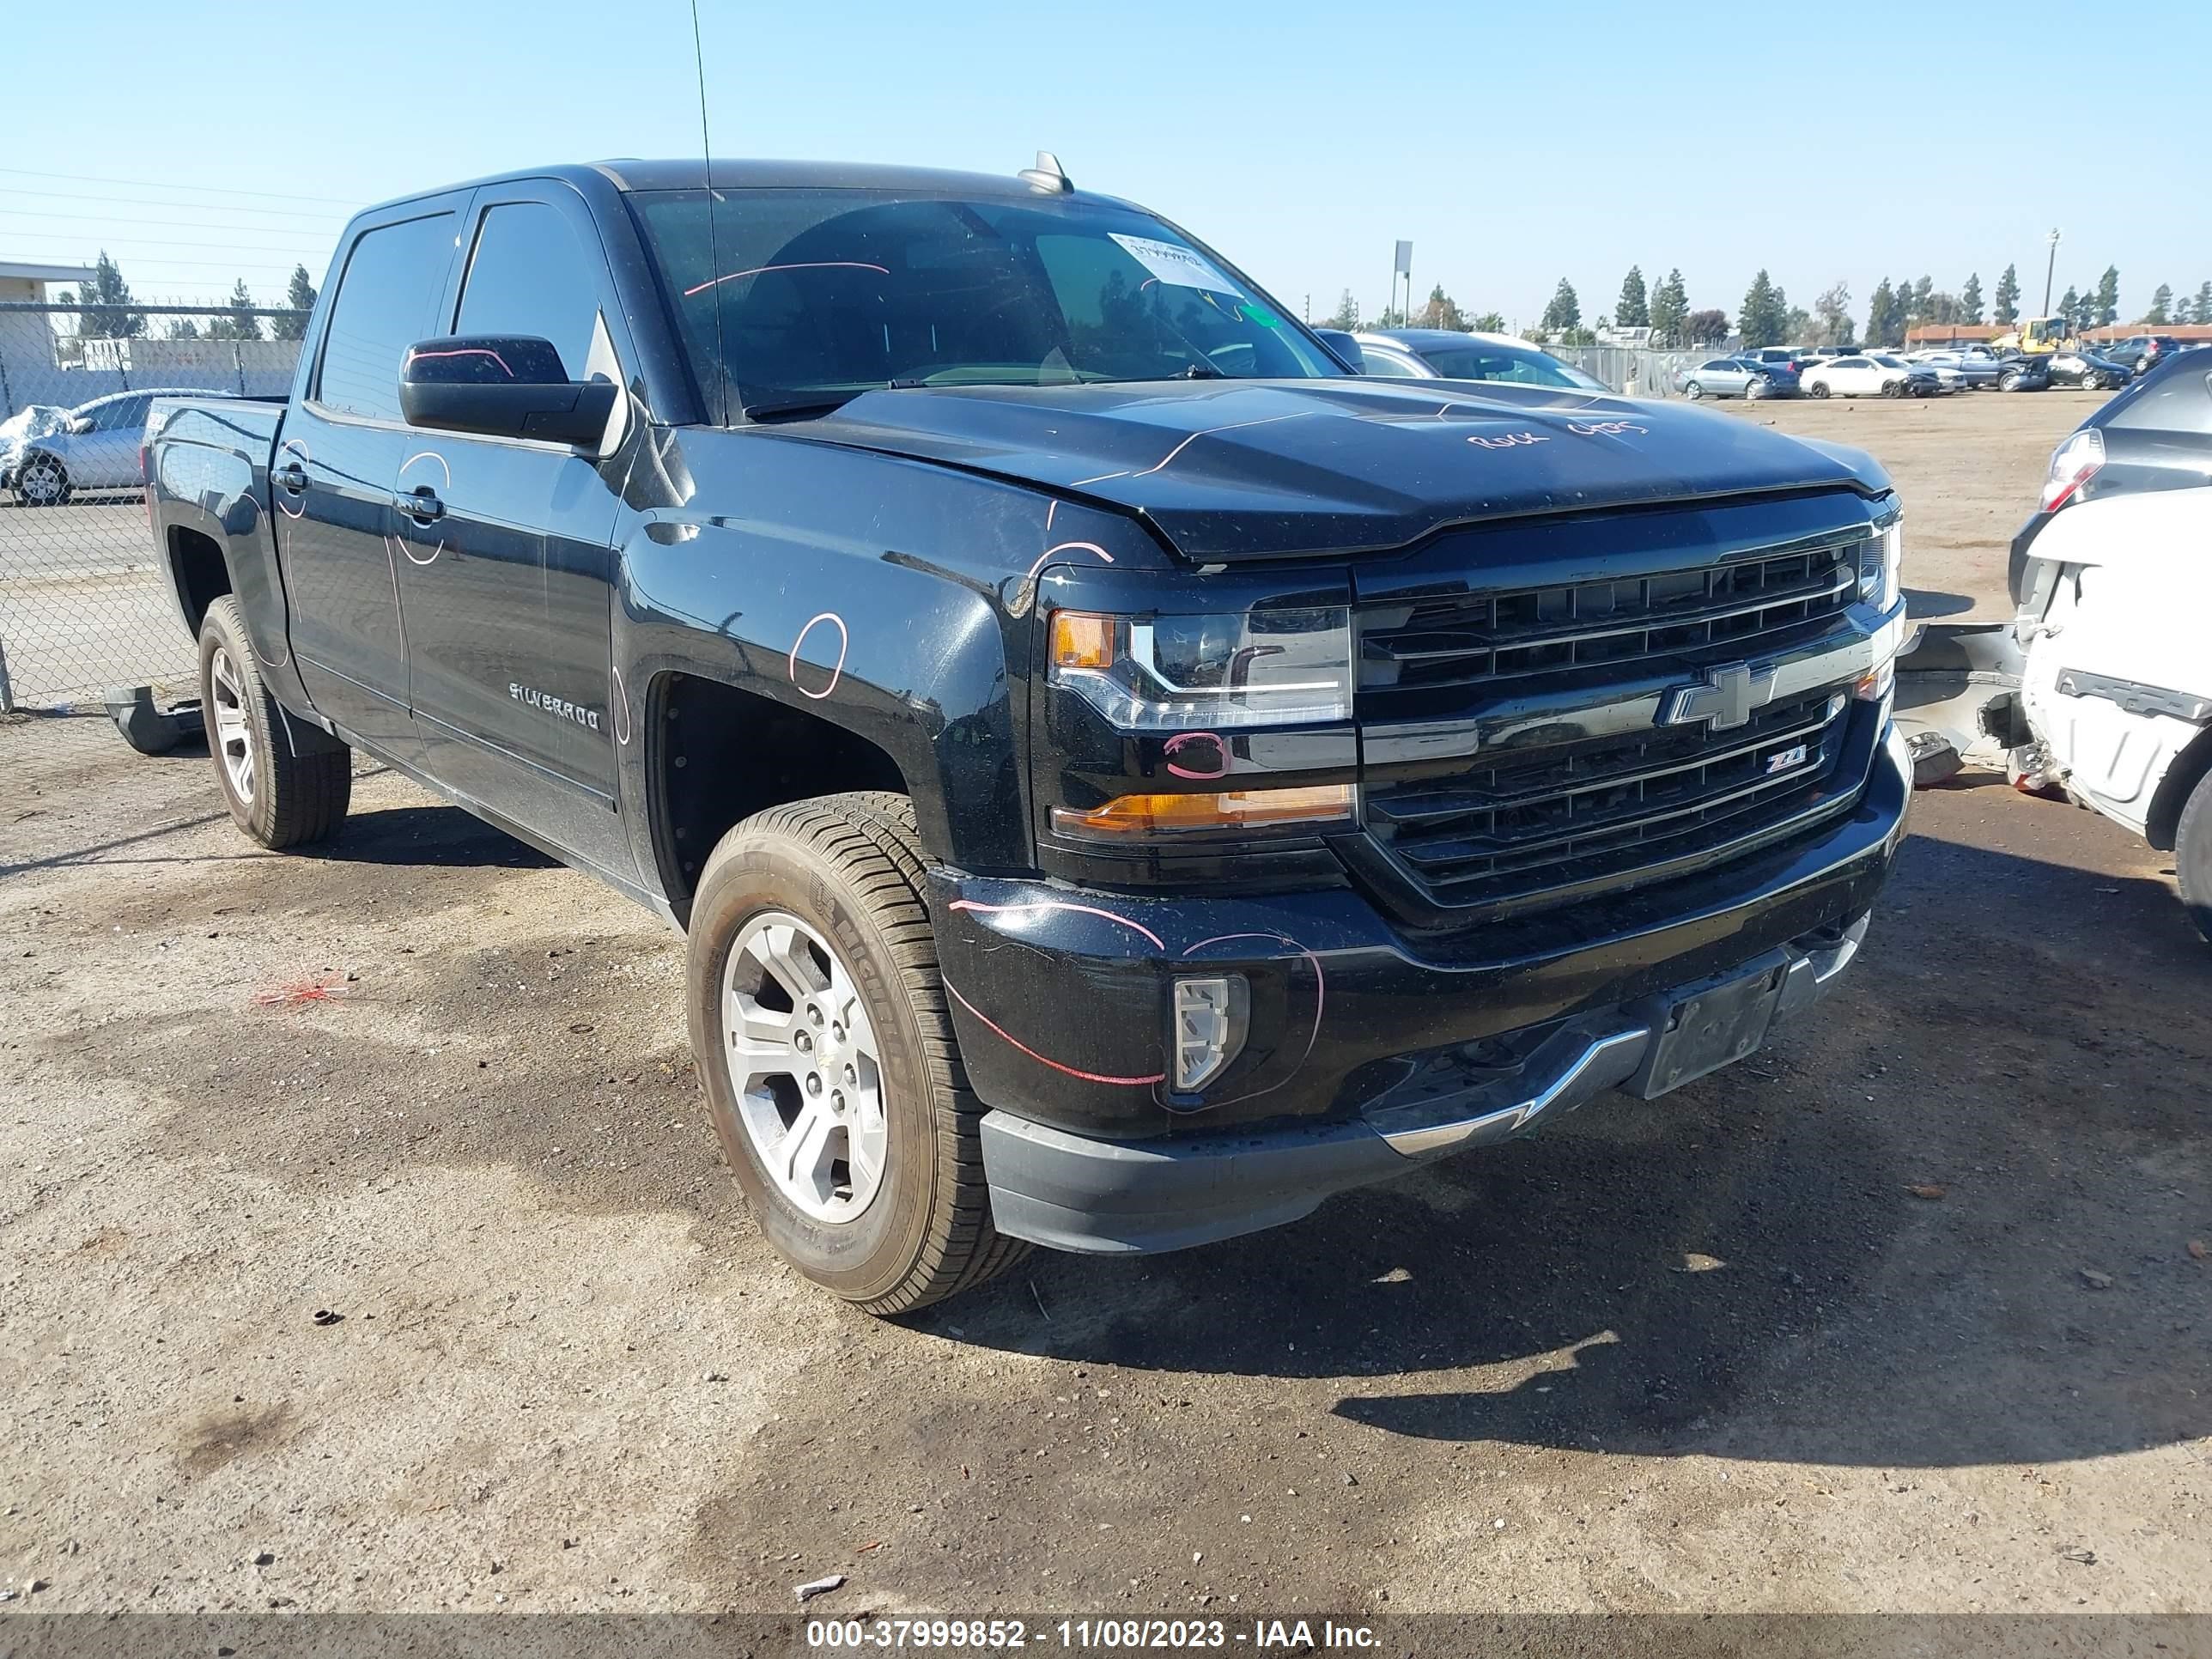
(1697, 1029)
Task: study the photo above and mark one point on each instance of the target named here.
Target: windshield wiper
(1201, 372)
(794, 407)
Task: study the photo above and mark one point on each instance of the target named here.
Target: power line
(212, 207)
(163, 264)
(159, 184)
(323, 248)
(160, 201)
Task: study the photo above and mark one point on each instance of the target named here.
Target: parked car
(1871, 374)
(31, 421)
(1793, 358)
(95, 449)
(1089, 749)
(2118, 687)
(2024, 372)
(1737, 377)
(2140, 353)
(1964, 371)
(1447, 354)
(2154, 436)
(2082, 368)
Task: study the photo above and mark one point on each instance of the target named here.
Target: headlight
(1880, 559)
(1207, 673)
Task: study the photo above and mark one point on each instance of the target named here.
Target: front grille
(1706, 614)
(1546, 819)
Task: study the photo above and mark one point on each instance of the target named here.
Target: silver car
(95, 449)
(1736, 377)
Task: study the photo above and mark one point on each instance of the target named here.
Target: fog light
(1209, 1027)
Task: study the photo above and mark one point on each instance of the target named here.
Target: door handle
(422, 504)
(291, 477)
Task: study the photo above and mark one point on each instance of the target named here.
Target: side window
(383, 308)
(529, 275)
(1377, 362)
(2180, 403)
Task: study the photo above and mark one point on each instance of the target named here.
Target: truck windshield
(804, 298)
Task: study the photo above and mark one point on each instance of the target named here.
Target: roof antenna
(1047, 175)
(714, 249)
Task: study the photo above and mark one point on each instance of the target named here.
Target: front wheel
(285, 782)
(2010, 382)
(819, 1023)
(1893, 388)
(43, 482)
(2192, 855)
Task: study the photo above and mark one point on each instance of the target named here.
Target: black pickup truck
(1123, 777)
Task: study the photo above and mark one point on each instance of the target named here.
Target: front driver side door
(507, 591)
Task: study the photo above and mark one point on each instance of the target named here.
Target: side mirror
(1343, 345)
(79, 425)
(499, 386)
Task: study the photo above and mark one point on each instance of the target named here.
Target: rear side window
(383, 308)
(2181, 401)
(529, 275)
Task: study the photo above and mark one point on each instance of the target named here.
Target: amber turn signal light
(1229, 809)
(1082, 638)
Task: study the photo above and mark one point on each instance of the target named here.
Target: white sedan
(1869, 375)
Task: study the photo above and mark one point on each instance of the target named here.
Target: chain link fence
(1634, 370)
(84, 606)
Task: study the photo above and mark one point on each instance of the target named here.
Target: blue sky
(1512, 145)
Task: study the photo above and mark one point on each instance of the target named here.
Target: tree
(2202, 311)
(1634, 310)
(1489, 322)
(1440, 311)
(1705, 328)
(1970, 299)
(1922, 307)
(1670, 305)
(1881, 315)
(2161, 305)
(300, 297)
(184, 328)
(1565, 310)
(2108, 297)
(1346, 316)
(1766, 315)
(2008, 311)
(1832, 316)
(108, 289)
(244, 325)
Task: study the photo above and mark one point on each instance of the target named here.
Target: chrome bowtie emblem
(1724, 698)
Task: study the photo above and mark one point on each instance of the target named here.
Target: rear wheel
(1693, 391)
(43, 482)
(2192, 855)
(1818, 388)
(819, 1023)
(286, 783)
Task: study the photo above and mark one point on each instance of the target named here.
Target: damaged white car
(2118, 683)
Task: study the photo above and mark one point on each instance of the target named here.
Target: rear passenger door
(505, 592)
(333, 477)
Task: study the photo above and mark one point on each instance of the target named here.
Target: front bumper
(1364, 1051)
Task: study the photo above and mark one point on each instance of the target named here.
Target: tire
(286, 783)
(2192, 855)
(1693, 391)
(1818, 388)
(1893, 388)
(2010, 382)
(42, 481)
(846, 869)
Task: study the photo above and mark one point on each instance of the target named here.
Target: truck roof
(629, 173)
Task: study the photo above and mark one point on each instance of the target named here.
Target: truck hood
(1273, 469)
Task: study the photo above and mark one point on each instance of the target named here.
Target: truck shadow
(1945, 1224)
(439, 836)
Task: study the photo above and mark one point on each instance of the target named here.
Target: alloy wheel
(805, 1068)
(234, 730)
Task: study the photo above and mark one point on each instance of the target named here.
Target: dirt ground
(1968, 468)
(1903, 1314)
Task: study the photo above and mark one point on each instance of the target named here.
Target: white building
(30, 283)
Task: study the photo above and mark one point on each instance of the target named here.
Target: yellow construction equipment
(2039, 334)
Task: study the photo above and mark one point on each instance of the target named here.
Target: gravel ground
(1902, 1315)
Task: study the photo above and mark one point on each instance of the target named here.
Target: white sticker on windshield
(1178, 265)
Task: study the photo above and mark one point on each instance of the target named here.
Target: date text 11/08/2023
(1081, 1635)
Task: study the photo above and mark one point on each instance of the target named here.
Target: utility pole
(2049, 270)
